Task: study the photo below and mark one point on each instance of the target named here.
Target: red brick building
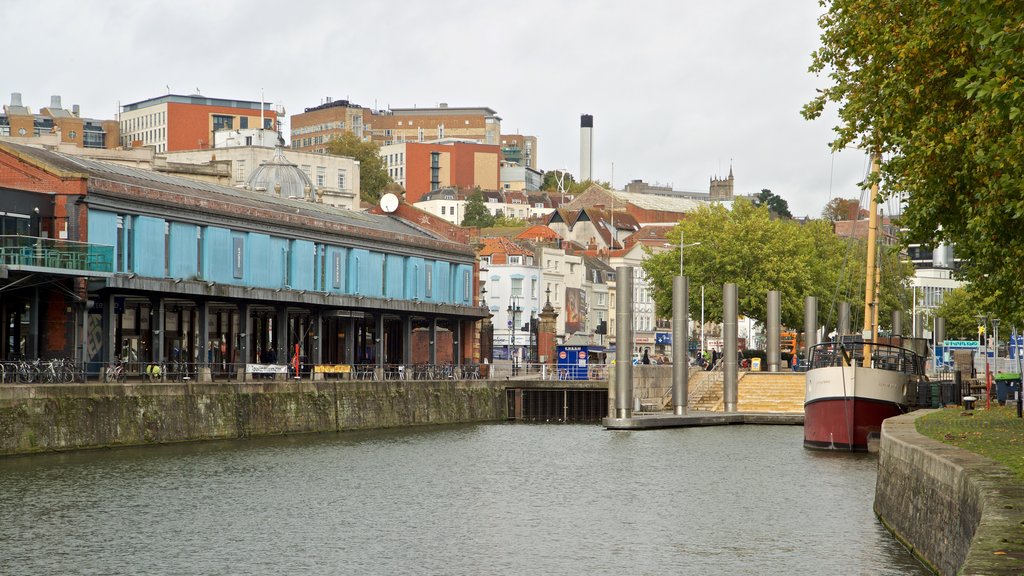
(421, 167)
(173, 122)
(55, 125)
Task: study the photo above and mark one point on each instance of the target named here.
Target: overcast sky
(679, 90)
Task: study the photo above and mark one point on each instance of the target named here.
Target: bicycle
(180, 371)
(55, 372)
(27, 372)
(115, 372)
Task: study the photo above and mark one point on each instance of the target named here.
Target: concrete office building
(55, 125)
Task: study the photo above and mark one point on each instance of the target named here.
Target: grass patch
(996, 433)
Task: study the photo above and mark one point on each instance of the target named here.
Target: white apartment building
(643, 302)
(335, 178)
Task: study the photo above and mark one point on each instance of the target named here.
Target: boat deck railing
(883, 356)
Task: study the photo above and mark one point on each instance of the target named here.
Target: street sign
(960, 343)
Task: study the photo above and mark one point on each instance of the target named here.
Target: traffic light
(602, 327)
(981, 335)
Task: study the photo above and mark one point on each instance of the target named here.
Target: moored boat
(854, 383)
(851, 388)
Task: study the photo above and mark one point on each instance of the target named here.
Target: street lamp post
(513, 310)
(682, 245)
(982, 329)
(995, 347)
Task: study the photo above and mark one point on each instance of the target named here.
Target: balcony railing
(18, 251)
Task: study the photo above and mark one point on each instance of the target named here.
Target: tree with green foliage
(551, 177)
(373, 176)
(550, 183)
(960, 309)
(774, 202)
(748, 247)
(477, 214)
(843, 209)
(938, 88)
(509, 222)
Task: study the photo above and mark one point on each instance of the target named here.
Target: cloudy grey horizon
(679, 91)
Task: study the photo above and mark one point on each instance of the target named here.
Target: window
(223, 122)
(533, 288)
(515, 260)
(129, 242)
(307, 170)
(428, 280)
(119, 248)
(199, 252)
(341, 179)
(517, 286)
(442, 210)
(167, 249)
(321, 175)
(243, 123)
(239, 170)
(467, 286)
(435, 170)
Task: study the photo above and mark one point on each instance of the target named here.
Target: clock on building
(72, 134)
(21, 131)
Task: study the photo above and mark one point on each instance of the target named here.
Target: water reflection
(489, 499)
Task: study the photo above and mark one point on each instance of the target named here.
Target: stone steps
(772, 392)
(781, 392)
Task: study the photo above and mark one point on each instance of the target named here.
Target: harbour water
(467, 500)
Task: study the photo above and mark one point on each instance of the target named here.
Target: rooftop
(197, 100)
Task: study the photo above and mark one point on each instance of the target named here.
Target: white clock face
(21, 131)
(72, 134)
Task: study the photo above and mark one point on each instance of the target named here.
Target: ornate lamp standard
(486, 330)
(513, 310)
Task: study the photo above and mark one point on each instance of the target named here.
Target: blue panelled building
(100, 261)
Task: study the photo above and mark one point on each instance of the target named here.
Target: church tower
(722, 188)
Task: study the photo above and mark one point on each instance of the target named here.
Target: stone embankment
(44, 418)
(959, 512)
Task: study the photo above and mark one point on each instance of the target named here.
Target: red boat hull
(845, 423)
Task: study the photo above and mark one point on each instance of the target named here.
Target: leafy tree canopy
(477, 214)
(774, 202)
(509, 222)
(373, 176)
(936, 88)
(960, 309)
(758, 253)
(550, 183)
(843, 209)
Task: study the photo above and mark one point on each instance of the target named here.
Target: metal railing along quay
(67, 371)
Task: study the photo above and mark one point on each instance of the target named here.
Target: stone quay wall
(958, 511)
(47, 418)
